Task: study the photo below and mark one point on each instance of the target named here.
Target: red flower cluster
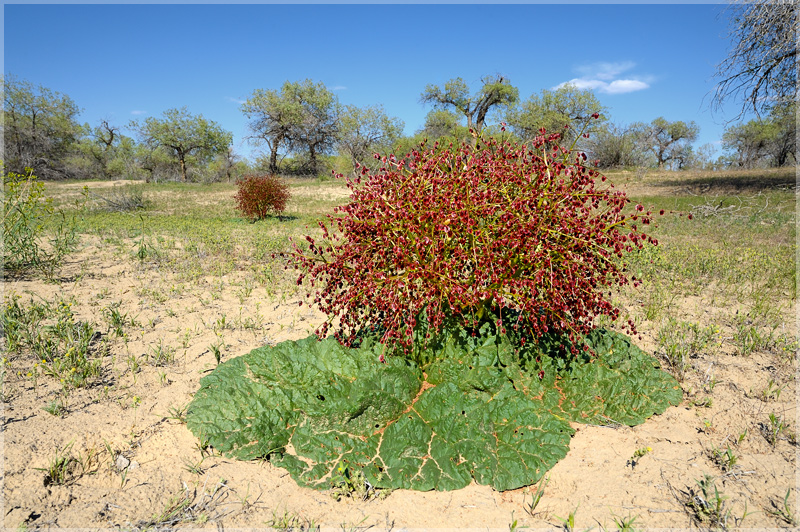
(260, 196)
(465, 232)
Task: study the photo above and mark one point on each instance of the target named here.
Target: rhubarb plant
(483, 269)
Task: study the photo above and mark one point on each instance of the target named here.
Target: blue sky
(124, 62)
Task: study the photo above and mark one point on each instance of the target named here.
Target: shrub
(27, 213)
(123, 198)
(259, 196)
(465, 235)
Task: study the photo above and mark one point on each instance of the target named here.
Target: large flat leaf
(479, 408)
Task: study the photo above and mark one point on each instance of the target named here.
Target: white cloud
(138, 112)
(621, 86)
(604, 71)
(339, 88)
(234, 100)
(601, 77)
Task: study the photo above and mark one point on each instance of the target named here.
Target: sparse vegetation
(207, 273)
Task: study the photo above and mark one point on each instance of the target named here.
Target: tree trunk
(273, 160)
(312, 155)
(183, 167)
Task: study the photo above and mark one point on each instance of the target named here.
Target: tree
(782, 147)
(365, 131)
(318, 124)
(495, 91)
(40, 130)
(155, 162)
(762, 65)
(748, 141)
(273, 119)
(227, 166)
(768, 141)
(704, 157)
(615, 146)
(443, 123)
(667, 141)
(553, 110)
(183, 135)
(106, 151)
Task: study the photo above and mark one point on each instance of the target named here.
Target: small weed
(625, 524)
(161, 355)
(353, 484)
(220, 325)
(245, 499)
(194, 467)
(290, 521)
(742, 436)
(244, 292)
(178, 413)
(633, 461)
(569, 521)
(133, 365)
(116, 319)
(772, 392)
(204, 447)
(724, 459)
(748, 338)
(352, 528)
(705, 402)
(537, 497)
(55, 408)
(708, 506)
(187, 335)
(216, 350)
(678, 341)
(783, 511)
(187, 507)
(62, 468)
(776, 428)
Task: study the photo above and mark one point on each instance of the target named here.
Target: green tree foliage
(495, 91)
(39, 128)
(303, 117)
(318, 128)
(366, 131)
(184, 135)
(771, 141)
(227, 166)
(782, 148)
(748, 142)
(106, 153)
(443, 124)
(669, 142)
(553, 110)
(615, 146)
(155, 163)
(273, 117)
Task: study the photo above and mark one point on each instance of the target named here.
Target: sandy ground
(144, 458)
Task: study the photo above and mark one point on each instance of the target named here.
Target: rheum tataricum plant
(464, 234)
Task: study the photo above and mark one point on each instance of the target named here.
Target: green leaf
(478, 409)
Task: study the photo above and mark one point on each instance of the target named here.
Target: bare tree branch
(761, 68)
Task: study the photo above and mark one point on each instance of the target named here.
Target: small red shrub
(260, 196)
(453, 233)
